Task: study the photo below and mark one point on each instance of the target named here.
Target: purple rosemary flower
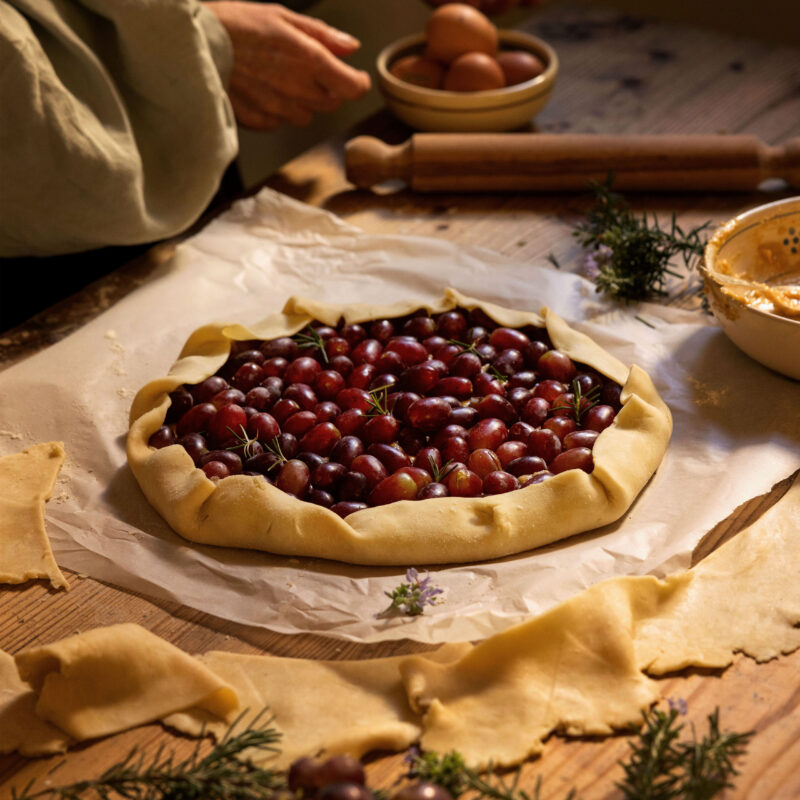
(412, 596)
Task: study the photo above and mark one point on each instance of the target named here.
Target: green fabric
(115, 127)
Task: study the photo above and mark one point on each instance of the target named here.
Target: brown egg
(519, 66)
(419, 70)
(456, 28)
(474, 72)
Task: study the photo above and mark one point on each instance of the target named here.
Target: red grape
(321, 439)
(247, 376)
(429, 413)
(293, 478)
(489, 433)
(512, 449)
(463, 482)
(283, 346)
(391, 456)
(545, 444)
(556, 365)
(346, 507)
(163, 437)
(560, 426)
(215, 469)
(598, 418)
(584, 438)
(346, 449)
(370, 468)
(574, 458)
(505, 338)
(483, 461)
(300, 423)
(303, 369)
(499, 482)
(452, 325)
(382, 428)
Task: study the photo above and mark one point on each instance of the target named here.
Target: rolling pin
(544, 162)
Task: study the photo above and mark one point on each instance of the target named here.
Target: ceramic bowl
(494, 110)
(759, 247)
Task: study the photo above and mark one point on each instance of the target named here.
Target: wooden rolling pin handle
(369, 161)
(431, 162)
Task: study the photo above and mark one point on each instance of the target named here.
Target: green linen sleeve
(116, 127)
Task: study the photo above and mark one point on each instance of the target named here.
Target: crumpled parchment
(737, 430)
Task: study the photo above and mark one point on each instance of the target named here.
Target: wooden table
(618, 74)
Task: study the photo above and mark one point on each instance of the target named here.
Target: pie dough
(20, 728)
(245, 511)
(26, 483)
(333, 707)
(110, 679)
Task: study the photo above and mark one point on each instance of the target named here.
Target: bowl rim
(734, 227)
(507, 95)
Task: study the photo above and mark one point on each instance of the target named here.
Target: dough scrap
(579, 668)
(332, 706)
(744, 597)
(245, 511)
(110, 679)
(26, 483)
(20, 728)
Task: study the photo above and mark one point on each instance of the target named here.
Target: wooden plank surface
(617, 75)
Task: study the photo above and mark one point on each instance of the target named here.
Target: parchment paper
(737, 428)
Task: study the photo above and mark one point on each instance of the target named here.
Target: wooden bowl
(760, 248)
(494, 110)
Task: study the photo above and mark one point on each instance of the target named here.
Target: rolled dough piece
(110, 679)
(319, 706)
(26, 483)
(579, 668)
(20, 729)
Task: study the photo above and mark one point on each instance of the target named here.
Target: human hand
(489, 7)
(287, 66)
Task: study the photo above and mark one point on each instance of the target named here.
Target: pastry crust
(245, 511)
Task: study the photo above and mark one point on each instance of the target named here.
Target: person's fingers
(337, 78)
(299, 66)
(338, 42)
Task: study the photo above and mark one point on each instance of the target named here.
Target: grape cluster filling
(410, 408)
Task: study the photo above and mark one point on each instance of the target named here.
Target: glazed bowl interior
(493, 110)
(751, 274)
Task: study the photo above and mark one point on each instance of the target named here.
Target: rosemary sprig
(243, 441)
(225, 773)
(379, 401)
(450, 772)
(411, 597)
(580, 402)
(440, 473)
(466, 347)
(496, 374)
(310, 338)
(629, 257)
(274, 446)
(660, 766)
(663, 768)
